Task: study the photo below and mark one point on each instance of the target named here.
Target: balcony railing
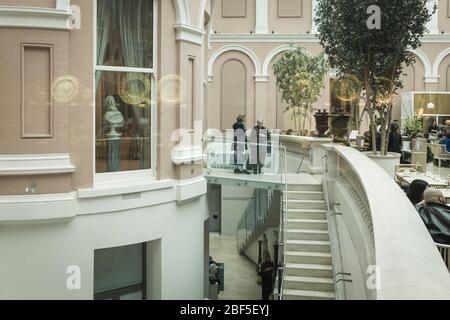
(384, 248)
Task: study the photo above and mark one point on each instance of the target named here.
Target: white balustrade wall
(384, 248)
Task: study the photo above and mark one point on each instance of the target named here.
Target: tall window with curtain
(123, 85)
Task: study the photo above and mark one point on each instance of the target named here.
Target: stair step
(309, 283)
(305, 234)
(305, 187)
(306, 204)
(309, 270)
(290, 294)
(308, 245)
(307, 213)
(315, 224)
(301, 257)
(304, 195)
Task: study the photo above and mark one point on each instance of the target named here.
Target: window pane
(132, 296)
(116, 268)
(125, 33)
(123, 118)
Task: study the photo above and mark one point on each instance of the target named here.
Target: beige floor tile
(240, 272)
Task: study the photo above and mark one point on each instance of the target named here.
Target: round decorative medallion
(347, 88)
(135, 88)
(169, 89)
(65, 88)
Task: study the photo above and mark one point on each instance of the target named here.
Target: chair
(439, 152)
(444, 250)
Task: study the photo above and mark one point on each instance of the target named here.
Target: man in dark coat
(436, 215)
(266, 273)
(259, 146)
(239, 144)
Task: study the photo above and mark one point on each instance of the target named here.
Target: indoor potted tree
(300, 77)
(375, 49)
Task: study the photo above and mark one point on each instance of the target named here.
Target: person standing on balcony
(239, 144)
(259, 146)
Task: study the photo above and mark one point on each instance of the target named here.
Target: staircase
(308, 270)
(262, 212)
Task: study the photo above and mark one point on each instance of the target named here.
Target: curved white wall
(35, 256)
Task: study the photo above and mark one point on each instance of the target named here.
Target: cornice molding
(189, 34)
(33, 17)
(298, 37)
(35, 164)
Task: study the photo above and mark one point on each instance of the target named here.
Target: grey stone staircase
(308, 272)
(272, 221)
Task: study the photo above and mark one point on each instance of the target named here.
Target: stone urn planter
(339, 128)
(322, 123)
(387, 163)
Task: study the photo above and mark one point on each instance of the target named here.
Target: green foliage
(300, 77)
(352, 47)
(376, 57)
(413, 125)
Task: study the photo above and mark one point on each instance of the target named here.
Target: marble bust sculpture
(113, 118)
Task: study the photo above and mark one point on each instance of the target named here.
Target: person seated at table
(434, 127)
(416, 190)
(444, 138)
(436, 216)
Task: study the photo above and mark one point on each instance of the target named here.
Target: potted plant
(300, 77)
(413, 126)
(374, 49)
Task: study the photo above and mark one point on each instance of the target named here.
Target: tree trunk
(370, 111)
(304, 117)
(294, 116)
(383, 134)
(388, 129)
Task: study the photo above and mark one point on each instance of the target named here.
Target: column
(433, 24)
(261, 85)
(313, 15)
(262, 17)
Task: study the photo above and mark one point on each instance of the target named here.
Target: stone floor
(240, 272)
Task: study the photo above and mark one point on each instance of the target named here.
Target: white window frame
(144, 174)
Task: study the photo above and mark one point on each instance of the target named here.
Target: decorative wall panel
(234, 8)
(289, 8)
(36, 87)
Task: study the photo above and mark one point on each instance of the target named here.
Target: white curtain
(105, 9)
(132, 37)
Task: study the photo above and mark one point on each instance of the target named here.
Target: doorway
(215, 208)
(120, 273)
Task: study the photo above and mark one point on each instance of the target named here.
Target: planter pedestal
(387, 163)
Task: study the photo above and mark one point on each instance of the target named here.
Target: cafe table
(434, 181)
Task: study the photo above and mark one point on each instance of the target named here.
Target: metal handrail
(329, 213)
(283, 228)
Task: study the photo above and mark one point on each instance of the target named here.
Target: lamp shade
(430, 105)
